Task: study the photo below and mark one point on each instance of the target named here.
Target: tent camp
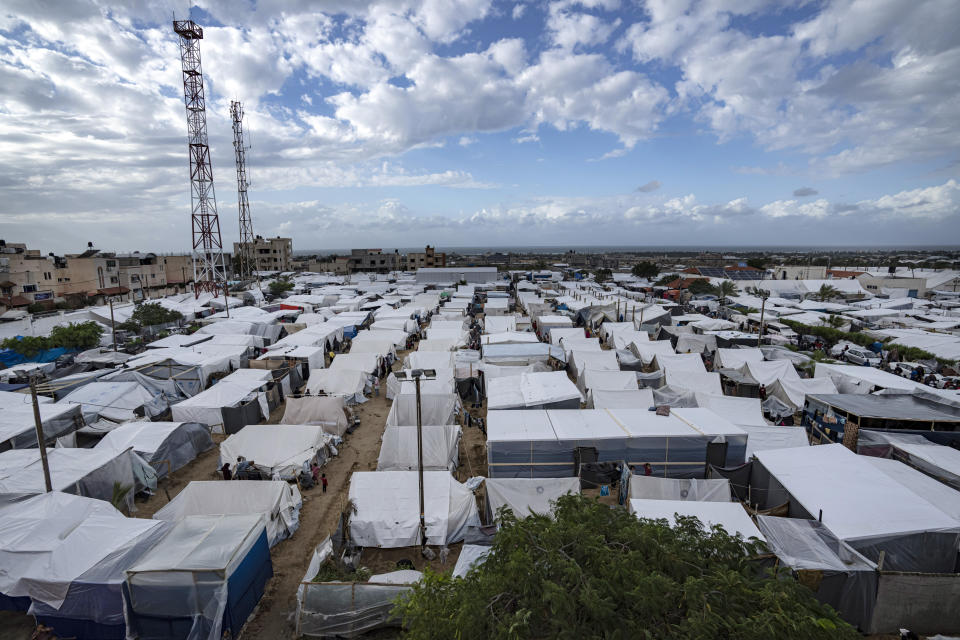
(326, 411)
(277, 501)
(794, 392)
(278, 449)
(366, 362)
(935, 460)
(687, 380)
(647, 351)
(398, 450)
(525, 496)
(580, 361)
(546, 390)
(736, 358)
(442, 382)
(387, 511)
(429, 360)
(607, 380)
(18, 428)
(774, 437)
(739, 411)
(166, 446)
(694, 489)
(203, 579)
(64, 556)
(729, 515)
(348, 384)
(874, 513)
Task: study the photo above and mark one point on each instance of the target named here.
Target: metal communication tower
(247, 254)
(209, 273)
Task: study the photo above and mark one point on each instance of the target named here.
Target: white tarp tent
(549, 389)
(429, 360)
(442, 408)
(779, 437)
(325, 411)
(277, 501)
(525, 496)
(695, 381)
(558, 334)
(239, 386)
(647, 351)
(794, 393)
(736, 358)
(729, 515)
(277, 448)
(366, 362)
(115, 401)
(387, 504)
(54, 539)
(606, 380)
(679, 362)
(348, 384)
(441, 448)
(580, 361)
(739, 411)
(767, 372)
(167, 446)
(692, 489)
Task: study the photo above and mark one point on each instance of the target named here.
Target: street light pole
(417, 374)
(113, 328)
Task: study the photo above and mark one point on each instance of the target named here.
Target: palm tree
(726, 289)
(763, 294)
(827, 292)
(835, 321)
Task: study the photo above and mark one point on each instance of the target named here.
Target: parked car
(862, 356)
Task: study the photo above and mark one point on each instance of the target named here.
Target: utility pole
(113, 328)
(226, 298)
(417, 374)
(41, 442)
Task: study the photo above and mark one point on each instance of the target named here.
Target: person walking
(323, 481)
(647, 469)
(376, 387)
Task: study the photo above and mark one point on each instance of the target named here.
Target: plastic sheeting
(848, 580)
(766, 373)
(84, 472)
(551, 389)
(764, 438)
(65, 551)
(540, 444)
(207, 573)
(873, 512)
(429, 360)
(398, 450)
(945, 498)
(18, 428)
(647, 351)
(696, 343)
(471, 555)
(736, 358)
(729, 515)
(326, 412)
(277, 501)
(693, 489)
(345, 383)
(633, 399)
(443, 382)
(167, 446)
(581, 361)
(388, 509)
(525, 496)
(605, 380)
(277, 448)
(739, 411)
(696, 381)
(793, 393)
(231, 391)
(434, 409)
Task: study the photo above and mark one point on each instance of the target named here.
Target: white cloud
(518, 10)
(466, 141)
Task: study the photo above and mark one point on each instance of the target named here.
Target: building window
(111, 264)
(153, 276)
(29, 288)
(46, 275)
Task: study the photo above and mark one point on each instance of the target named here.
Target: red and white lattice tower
(209, 273)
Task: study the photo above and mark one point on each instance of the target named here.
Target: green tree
(757, 263)
(664, 280)
(593, 571)
(27, 346)
(602, 275)
(148, 314)
(835, 321)
(645, 269)
(700, 286)
(81, 335)
(827, 292)
(725, 289)
(280, 286)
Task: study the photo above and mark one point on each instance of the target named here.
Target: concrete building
(428, 258)
(273, 254)
(800, 272)
(445, 275)
(374, 260)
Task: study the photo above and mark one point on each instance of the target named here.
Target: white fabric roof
(398, 449)
(736, 358)
(528, 495)
(763, 438)
(50, 540)
(347, 383)
(606, 380)
(202, 543)
(388, 508)
(730, 515)
(366, 362)
(530, 390)
(739, 411)
(647, 351)
(680, 362)
(691, 489)
(695, 381)
(275, 448)
(634, 399)
(277, 501)
(557, 334)
(871, 504)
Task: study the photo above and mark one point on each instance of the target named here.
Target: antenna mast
(209, 273)
(247, 255)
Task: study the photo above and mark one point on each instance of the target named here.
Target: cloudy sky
(396, 123)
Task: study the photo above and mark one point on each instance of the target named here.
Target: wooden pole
(113, 328)
(40, 439)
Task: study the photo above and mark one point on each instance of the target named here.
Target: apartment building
(374, 260)
(428, 258)
(273, 254)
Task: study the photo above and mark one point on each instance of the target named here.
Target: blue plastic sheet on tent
(6, 386)
(9, 357)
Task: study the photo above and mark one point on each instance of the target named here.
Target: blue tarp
(9, 357)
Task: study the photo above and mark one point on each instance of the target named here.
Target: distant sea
(648, 249)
